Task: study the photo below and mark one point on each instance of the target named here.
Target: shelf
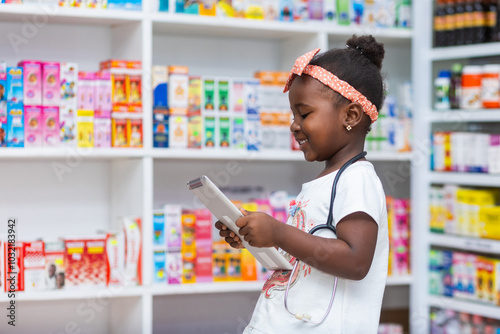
(465, 243)
(465, 179)
(231, 27)
(265, 155)
(399, 280)
(107, 292)
(489, 311)
(44, 14)
(461, 115)
(71, 153)
(229, 287)
(465, 51)
(220, 287)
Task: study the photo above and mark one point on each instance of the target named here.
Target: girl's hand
(229, 236)
(258, 229)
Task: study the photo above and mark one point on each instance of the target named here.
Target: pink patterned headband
(328, 79)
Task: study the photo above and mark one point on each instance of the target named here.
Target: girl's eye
(304, 115)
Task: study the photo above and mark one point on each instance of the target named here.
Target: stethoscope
(329, 225)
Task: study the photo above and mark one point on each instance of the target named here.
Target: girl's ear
(353, 114)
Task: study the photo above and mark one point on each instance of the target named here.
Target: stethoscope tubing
(329, 225)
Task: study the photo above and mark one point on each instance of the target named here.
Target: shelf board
(67, 294)
(239, 27)
(464, 52)
(212, 287)
(265, 155)
(54, 14)
(466, 179)
(399, 280)
(489, 311)
(461, 116)
(229, 27)
(465, 243)
(70, 153)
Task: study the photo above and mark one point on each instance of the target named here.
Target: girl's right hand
(229, 236)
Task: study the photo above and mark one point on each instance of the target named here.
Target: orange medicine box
(119, 131)
(134, 129)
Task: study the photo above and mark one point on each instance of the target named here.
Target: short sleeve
(359, 190)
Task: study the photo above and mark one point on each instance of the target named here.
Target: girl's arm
(349, 256)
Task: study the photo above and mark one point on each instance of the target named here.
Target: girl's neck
(340, 158)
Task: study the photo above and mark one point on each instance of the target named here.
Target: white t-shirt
(356, 307)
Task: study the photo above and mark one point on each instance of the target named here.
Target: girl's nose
(294, 127)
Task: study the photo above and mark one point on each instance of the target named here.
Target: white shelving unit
(426, 62)
(96, 186)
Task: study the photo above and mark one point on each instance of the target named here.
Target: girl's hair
(358, 64)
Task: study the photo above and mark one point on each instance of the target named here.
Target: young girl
(334, 97)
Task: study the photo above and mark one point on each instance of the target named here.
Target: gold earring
(349, 128)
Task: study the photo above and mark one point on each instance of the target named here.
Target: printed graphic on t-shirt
(279, 279)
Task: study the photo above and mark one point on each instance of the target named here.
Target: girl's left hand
(258, 229)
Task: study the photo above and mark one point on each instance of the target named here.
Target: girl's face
(317, 124)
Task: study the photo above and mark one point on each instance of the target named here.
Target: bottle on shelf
(469, 22)
(490, 86)
(491, 20)
(479, 22)
(460, 22)
(455, 85)
(471, 87)
(439, 24)
(450, 25)
(442, 88)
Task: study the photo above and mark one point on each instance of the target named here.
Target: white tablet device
(227, 213)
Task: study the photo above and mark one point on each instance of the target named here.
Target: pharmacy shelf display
(427, 62)
(80, 191)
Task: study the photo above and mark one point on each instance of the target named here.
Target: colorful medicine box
(15, 85)
(119, 131)
(54, 265)
(195, 131)
(160, 78)
(32, 74)
(134, 90)
(134, 128)
(115, 256)
(85, 127)
(51, 84)
(50, 129)
(173, 227)
(69, 81)
(174, 267)
(178, 90)
(33, 126)
(102, 132)
(160, 270)
(178, 134)
(103, 102)
(67, 125)
(159, 230)
(34, 266)
(15, 124)
(133, 246)
(85, 90)
(223, 95)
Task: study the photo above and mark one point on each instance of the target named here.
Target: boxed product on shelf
(188, 247)
(159, 265)
(15, 124)
(159, 83)
(132, 228)
(159, 241)
(134, 128)
(69, 83)
(208, 94)
(67, 125)
(451, 321)
(195, 131)
(178, 132)
(178, 90)
(34, 265)
(102, 131)
(173, 227)
(219, 263)
(86, 91)
(13, 266)
(119, 130)
(15, 85)
(174, 267)
(390, 329)
(203, 237)
(55, 266)
(124, 4)
(34, 123)
(398, 214)
(85, 128)
(86, 263)
(160, 128)
(50, 126)
(115, 257)
(32, 81)
(489, 222)
(51, 93)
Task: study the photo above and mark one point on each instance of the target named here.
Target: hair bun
(369, 47)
